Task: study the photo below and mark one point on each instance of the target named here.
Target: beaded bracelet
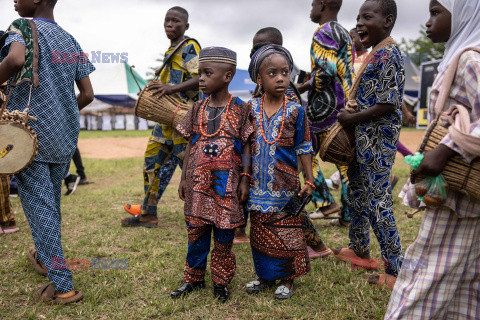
(310, 184)
(245, 174)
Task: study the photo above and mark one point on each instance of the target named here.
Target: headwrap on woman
(465, 28)
(262, 53)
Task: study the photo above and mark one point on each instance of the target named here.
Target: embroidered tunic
(213, 177)
(275, 171)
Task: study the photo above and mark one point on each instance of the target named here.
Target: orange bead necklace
(283, 120)
(224, 118)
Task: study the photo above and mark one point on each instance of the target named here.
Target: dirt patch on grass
(112, 148)
(119, 148)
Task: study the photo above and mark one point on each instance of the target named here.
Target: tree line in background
(422, 49)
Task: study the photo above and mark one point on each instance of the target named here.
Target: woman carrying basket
(442, 279)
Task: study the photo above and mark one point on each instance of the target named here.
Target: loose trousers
(39, 188)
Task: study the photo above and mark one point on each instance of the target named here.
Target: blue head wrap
(262, 53)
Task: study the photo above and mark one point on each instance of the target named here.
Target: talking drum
(18, 142)
(338, 146)
(164, 110)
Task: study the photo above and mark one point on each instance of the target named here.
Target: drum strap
(170, 57)
(34, 80)
(352, 103)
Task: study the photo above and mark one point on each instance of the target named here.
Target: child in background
(361, 53)
(54, 104)
(377, 125)
(216, 173)
(282, 133)
(166, 146)
(442, 279)
(331, 56)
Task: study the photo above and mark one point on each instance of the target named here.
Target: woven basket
(164, 110)
(338, 146)
(460, 175)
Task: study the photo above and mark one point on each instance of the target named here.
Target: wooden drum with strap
(461, 176)
(165, 109)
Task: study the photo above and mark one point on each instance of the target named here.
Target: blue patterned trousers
(222, 262)
(40, 190)
(370, 197)
(161, 160)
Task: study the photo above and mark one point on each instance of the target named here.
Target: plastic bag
(422, 187)
(431, 190)
(437, 194)
(415, 160)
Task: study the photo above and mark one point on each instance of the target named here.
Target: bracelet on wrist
(310, 184)
(245, 174)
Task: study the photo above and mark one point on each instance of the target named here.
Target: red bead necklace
(224, 118)
(283, 120)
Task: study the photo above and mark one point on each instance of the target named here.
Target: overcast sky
(136, 26)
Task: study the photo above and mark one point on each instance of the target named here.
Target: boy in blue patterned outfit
(54, 104)
(377, 125)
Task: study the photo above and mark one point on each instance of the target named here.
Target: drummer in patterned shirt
(166, 146)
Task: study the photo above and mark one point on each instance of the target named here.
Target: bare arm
(85, 97)
(162, 88)
(306, 160)
(304, 87)
(12, 62)
(183, 182)
(244, 186)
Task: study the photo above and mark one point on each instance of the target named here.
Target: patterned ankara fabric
(6, 214)
(464, 91)
(278, 246)
(27, 73)
(440, 276)
(275, 167)
(40, 189)
(370, 192)
(161, 160)
(310, 233)
(222, 264)
(182, 67)
(53, 102)
(331, 56)
(212, 179)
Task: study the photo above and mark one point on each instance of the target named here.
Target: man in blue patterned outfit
(54, 105)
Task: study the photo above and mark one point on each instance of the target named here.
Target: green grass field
(91, 229)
